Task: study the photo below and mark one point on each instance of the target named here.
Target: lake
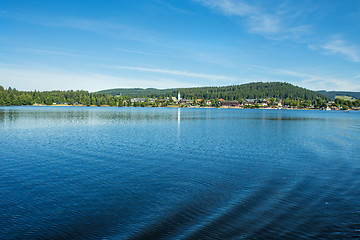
(169, 173)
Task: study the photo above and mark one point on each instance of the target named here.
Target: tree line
(347, 104)
(257, 90)
(13, 97)
(286, 93)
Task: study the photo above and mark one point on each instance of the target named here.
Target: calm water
(166, 173)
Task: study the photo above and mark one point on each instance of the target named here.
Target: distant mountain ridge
(257, 90)
(333, 94)
(135, 92)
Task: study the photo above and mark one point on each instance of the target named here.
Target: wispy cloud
(188, 54)
(51, 79)
(84, 24)
(62, 21)
(282, 22)
(173, 72)
(141, 52)
(314, 81)
(230, 7)
(172, 8)
(207, 57)
(306, 78)
(50, 52)
(274, 25)
(339, 46)
(100, 26)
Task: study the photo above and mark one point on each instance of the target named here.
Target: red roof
(221, 100)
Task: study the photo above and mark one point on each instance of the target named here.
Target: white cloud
(46, 79)
(51, 52)
(317, 82)
(306, 79)
(339, 46)
(265, 24)
(280, 23)
(142, 52)
(171, 7)
(49, 79)
(103, 27)
(173, 72)
(230, 7)
(274, 25)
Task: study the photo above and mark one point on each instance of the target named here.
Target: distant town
(272, 103)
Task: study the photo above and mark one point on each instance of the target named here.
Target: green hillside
(333, 94)
(245, 91)
(136, 92)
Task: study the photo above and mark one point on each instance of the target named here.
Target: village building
(137, 100)
(186, 101)
(151, 100)
(250, 101)
(262, 103)
(229, 103)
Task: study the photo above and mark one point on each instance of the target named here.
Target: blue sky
(95, 45)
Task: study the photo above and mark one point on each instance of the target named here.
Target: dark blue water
(166, 173)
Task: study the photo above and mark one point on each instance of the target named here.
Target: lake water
(168, 173)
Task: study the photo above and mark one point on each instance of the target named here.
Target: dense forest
(237, 92)
(13, 97)
(139, 92)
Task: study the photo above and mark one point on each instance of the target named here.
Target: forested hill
(137, 92)
(257, 90)
(333, 94)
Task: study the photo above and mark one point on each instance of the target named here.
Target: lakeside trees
(346, 104)
(13, 97)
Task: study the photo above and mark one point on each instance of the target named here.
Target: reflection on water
(167, 173)
(178, 115)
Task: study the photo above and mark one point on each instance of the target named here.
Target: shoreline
(191, 107)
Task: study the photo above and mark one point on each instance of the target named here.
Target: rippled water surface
(167, 173)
